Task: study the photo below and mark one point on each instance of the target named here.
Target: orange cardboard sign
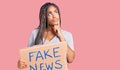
(45, 57)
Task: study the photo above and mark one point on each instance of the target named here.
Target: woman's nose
(53, 15)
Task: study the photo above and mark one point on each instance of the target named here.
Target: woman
(49, 31)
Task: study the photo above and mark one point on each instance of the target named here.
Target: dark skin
(49, 33)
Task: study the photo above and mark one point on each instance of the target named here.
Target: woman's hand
(56, 29)
(21, 64)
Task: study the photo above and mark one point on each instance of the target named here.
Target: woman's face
(52, 15)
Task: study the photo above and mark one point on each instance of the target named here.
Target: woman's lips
(54, 21)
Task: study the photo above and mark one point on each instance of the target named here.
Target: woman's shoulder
(35, 31)
(66, 33)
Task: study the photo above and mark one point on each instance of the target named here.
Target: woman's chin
(54, 23)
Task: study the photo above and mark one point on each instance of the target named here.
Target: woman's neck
(49, 30)
(48, 34)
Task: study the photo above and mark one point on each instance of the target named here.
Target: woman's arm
(70, 52)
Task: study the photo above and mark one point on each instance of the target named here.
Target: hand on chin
(55, 28)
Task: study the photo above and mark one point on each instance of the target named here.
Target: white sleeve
(70, 41)
(32, 37)
(31, 40)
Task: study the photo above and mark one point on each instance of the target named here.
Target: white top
(67, 35)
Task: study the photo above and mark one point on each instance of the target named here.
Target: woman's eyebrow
(49, 12)
(55, 10)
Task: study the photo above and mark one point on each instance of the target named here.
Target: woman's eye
(49, 14)
(56, 11)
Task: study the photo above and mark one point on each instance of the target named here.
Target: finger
(24, 66)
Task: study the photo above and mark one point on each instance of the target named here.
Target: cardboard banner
(45, 57)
